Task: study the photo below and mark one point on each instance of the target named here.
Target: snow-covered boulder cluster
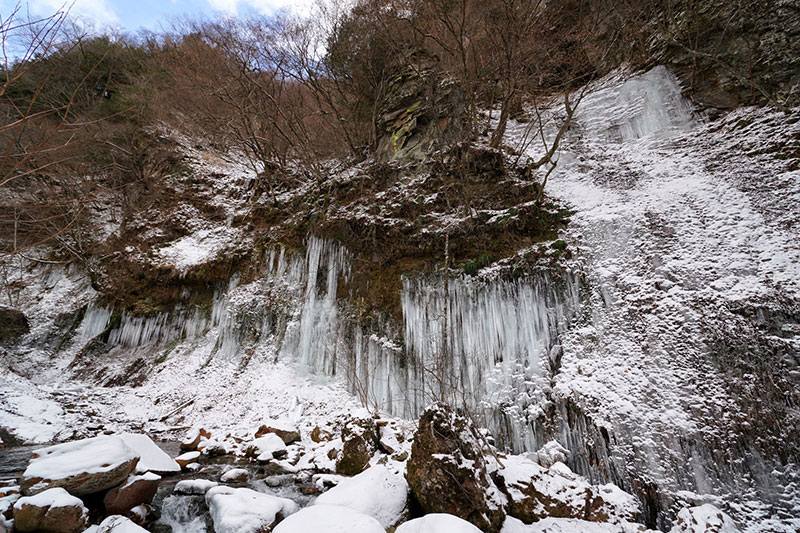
(110, 474)
(447, 467)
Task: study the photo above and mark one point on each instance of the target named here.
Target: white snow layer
(437, 523)
(377, 492)
(245, 510)
(264, 448)
(330, 519)
(151, 457)
(55, 497)
(94, 455)
(194, 486)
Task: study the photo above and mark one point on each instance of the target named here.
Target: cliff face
(422, 110)
(729, 54)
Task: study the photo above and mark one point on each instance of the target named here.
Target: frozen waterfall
(499, 333)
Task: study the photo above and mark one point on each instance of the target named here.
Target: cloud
(96, 12)
(262, 6)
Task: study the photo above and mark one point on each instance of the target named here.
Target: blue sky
(131, 16)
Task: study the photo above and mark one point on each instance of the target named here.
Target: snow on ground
(198, 248)
(436, 522)
(377, 492)
(331, 519)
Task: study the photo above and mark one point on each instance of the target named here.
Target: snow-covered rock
(82, 467)
(135, 491)
(194, 486)
(388, 440)
(449, 469)
(213, 447)
(245, 510)
(151, 457)
(266, 448)
(193, 438)
(235, 475)
(359, 440)
(568, 525)
(551, 453)
(437, 523)
(705, 518)
(330, 519)
(283, 428)
(536, 492)
(377, 492)
(53, 510)
(185, 459)
(116, 524)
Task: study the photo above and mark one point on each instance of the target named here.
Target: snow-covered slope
(688, 354)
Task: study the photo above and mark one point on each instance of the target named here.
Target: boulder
(51, 511)
(187, 458)
(359, 442)
(213, 448)
(151, 457)
(282, 428)
(388, 442)
(235, 475)
(448, 472)
(552, 453)
(135, 491)
(245, 510)
(377, 492)
(192, 439)
(266, 448)
(13, 324)
(330, 519)
(435, 522)
(535, 493)
(704, 519)
(81, 467)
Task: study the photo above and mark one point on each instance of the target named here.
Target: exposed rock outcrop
(13, 324)
(423, 109)
(449, 473)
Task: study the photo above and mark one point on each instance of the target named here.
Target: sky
(133, 15)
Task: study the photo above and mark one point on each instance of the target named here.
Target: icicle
(95, 320)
